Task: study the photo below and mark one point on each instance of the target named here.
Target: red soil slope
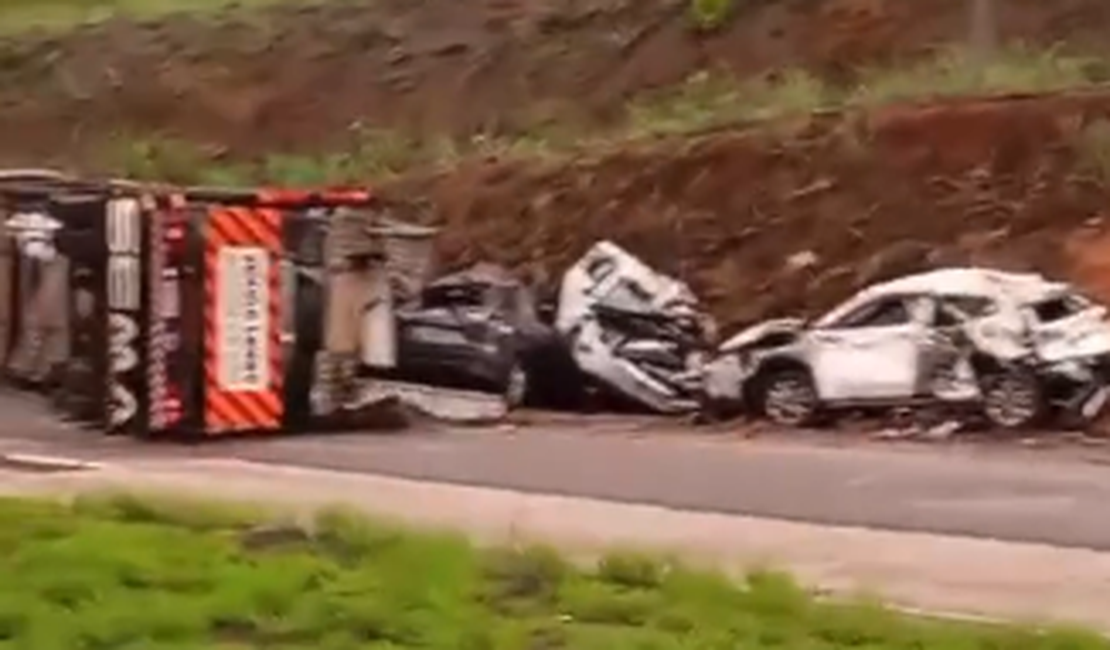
(864, 196)
(300, 78)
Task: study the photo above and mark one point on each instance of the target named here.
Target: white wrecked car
(637, 332)
(1015, 347)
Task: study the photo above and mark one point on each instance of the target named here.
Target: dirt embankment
(787, 218)
(300, 77)
(793, 217)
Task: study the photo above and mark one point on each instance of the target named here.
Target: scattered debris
(802, 260)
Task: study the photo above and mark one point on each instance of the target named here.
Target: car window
(881, 312)
(503, 300)
(953, 310)
(460, 295)
(628, 294)
(600, 269)
(1059, 307)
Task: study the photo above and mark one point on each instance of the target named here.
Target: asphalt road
(1018, 497)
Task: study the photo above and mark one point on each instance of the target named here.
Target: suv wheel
(517, 386)
(789, 398)
(1012, 399)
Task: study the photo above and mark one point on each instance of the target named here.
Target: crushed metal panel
(609, 274)
(596, 358)
(639, 332)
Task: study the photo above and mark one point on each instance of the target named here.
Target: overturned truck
(147, 310)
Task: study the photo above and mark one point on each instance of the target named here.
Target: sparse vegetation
(1093, 146)
(22, 15)
(710, 15)
(704, 102)
(125, 572)
(708, 101)
(959, 72)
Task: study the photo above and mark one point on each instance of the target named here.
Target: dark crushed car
(481, 329)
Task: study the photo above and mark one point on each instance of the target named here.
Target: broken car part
(479, 329)
(636, 332)
(1013, 347)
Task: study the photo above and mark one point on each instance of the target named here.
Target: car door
(872, 353)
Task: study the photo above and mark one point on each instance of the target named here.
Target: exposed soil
(301, 77)
(863, 196)
(789, 217)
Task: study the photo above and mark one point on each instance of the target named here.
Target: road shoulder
(1026, 582)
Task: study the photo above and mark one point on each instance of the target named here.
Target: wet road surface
(942, 489)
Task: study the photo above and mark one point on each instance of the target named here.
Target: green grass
(703, 103)
(710, 15)
(123, 572)
(707, 101)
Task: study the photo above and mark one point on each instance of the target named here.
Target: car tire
(517, 386)
(788, 398)
(1013, 399)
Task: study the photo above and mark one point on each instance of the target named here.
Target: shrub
(711, 15)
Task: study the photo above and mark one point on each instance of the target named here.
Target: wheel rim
(1011, 402)
(517, 387)
(789, 401)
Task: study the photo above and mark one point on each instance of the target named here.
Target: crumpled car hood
(1086, 334)
(608, 278)
(759, 331)
(585, 286)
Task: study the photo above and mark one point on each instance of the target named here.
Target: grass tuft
(956, 72)
(711, 15)
(119, 571)
(57, 15)
(1092, 145)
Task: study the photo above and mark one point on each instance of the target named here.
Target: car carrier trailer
(151, 310)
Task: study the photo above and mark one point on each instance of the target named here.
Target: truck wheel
(788, 397)
(1013, 399)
